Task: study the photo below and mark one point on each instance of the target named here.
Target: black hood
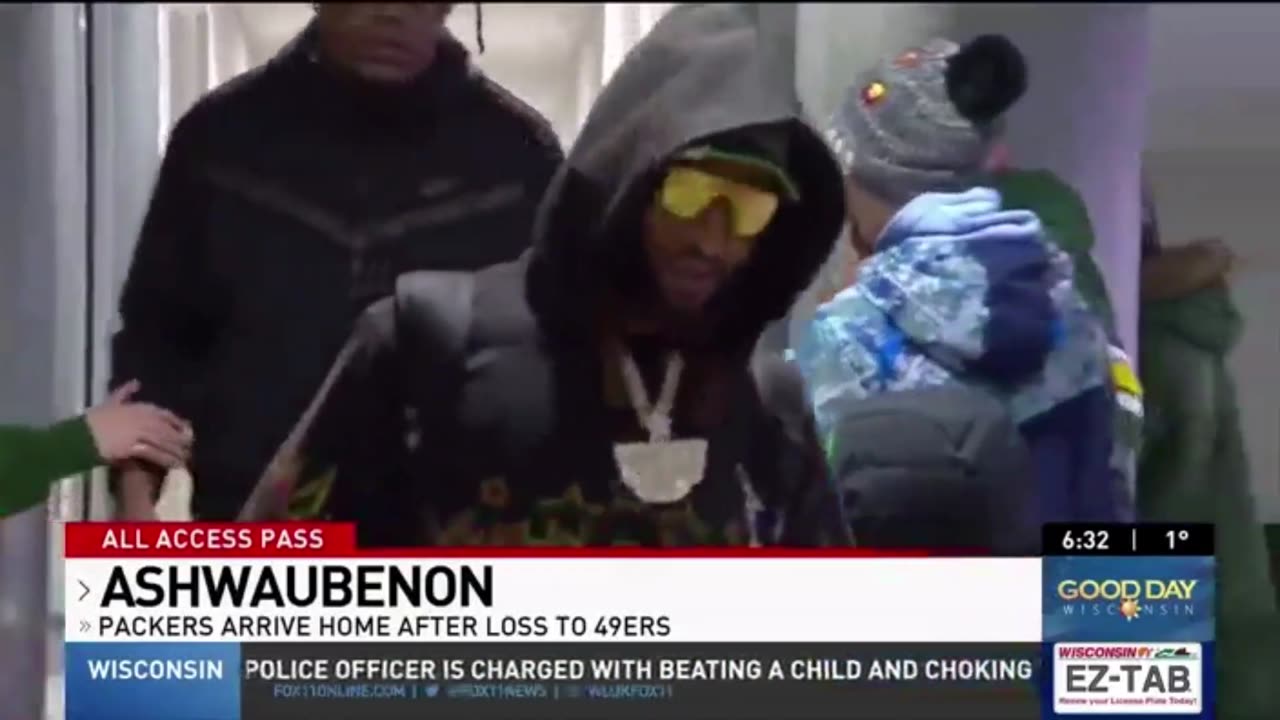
(703, 71)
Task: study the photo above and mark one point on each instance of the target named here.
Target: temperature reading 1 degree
(1186, 539)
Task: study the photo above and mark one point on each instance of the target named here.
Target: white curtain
(624, 25)
(201, 46)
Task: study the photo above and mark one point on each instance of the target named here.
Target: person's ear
(998, 158)
(854, 209)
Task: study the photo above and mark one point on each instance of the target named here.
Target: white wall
(1232, 195)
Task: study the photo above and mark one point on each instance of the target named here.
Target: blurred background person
(1194, 467)
(288, 200)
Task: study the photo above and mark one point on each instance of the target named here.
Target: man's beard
(657, 318)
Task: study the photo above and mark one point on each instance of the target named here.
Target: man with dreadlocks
(289, 199)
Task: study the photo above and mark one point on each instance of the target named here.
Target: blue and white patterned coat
(960, 290)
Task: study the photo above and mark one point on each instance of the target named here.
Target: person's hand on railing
(124, 430)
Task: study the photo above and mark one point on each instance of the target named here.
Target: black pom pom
(986, 77)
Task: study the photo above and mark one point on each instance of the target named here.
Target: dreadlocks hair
(479, 28)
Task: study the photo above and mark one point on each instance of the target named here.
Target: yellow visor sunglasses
(687, 192)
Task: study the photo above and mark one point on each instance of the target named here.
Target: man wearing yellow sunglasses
(600, 390)
(710, 210)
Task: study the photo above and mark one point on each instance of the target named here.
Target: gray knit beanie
(925, 120)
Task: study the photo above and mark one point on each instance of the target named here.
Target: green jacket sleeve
(32, 459)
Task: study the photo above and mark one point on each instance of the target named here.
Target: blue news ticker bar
(197, 681)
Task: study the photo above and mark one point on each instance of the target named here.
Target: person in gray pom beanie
(927, 119)
(954, 292)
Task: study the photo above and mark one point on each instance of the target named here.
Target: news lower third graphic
(244, 622)
(1129, 636)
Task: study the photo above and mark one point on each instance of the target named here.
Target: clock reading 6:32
(1086, 540)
